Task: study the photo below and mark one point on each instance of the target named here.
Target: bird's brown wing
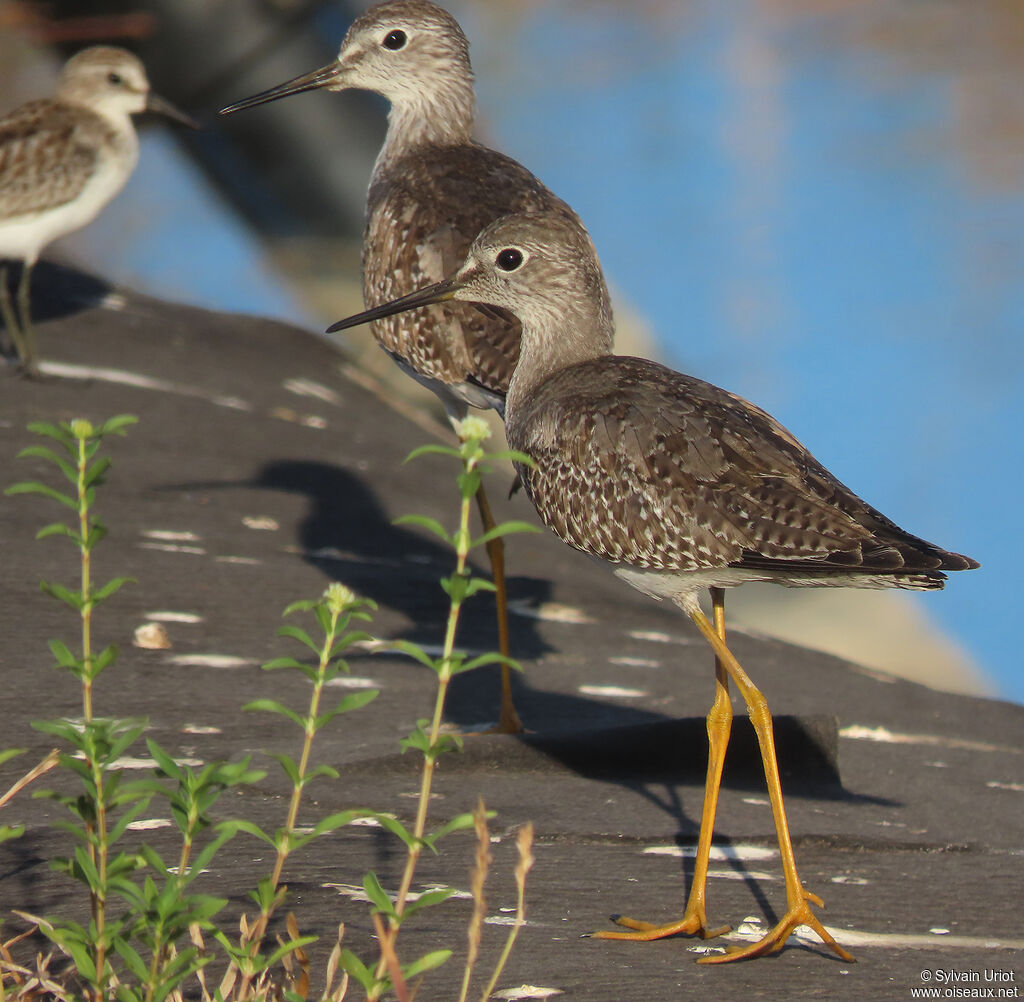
(643, 465)
(43, 161)
(423, 212)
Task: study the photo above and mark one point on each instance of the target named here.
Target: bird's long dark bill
(438, 293)
(309, 81)
(154, 102)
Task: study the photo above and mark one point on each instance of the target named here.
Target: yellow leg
(508, 720)
(719, 723)
(798, 912)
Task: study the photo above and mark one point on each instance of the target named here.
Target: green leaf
(164, 761)
(132, 959)
(104, 659)
(273, 706)
(505, 529)
(469, 483)
(70, 730)
(288, 764)
(479, 584)
(97, 530)
(300, 635)
(81, 954)
(514, 457)
(289, 947)
(59, 529)
(396, 827)
(58, 591)
(353, 701)
(65, 659)
(459, 823)
(96, 471)
(320, 770)
(8, 832)
(115, 584)
(118, 829)
(276, 663)
(428, 962)
(323, 617)
(427, 899)
(253, 829)
(116, 425)
(456, 587)
(415, 652)
(339, 820)
(357, 969)
(432, 450)
(42, 452)
(490, 659)
(377, 895)
(86, 868)
(225, 832)
(127, 733)
(425, 522)
(60, 433)
(303, 605)
(32, 487)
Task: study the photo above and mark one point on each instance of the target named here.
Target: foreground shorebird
(676, 483)
(61, 160)
(433, 189)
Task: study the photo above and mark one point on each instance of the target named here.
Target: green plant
(334, 612)
(148, 947)
(159, 912)
(105, 808)
(428, 737)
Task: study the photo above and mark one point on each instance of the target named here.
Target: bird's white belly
(24, 237)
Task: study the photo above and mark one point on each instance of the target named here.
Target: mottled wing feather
(423, 212)
(638, 464)
(44, 161)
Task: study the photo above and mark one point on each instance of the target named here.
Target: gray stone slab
(906, 804)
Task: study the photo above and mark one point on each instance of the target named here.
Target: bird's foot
(31, 371)
(798, 915)
(693, 923)
(508, 722)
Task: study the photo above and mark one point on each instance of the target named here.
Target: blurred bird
(433, 189)
(62, 159)
(677, 484)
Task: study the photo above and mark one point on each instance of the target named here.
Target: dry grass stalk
(33, 774)
(524, 846)
(478, 877)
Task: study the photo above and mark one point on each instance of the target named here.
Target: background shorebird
(62, 159)
(433, 189)
(679, 485)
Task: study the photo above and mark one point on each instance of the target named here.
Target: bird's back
(48, 150)
(644, 466)
(423, 211)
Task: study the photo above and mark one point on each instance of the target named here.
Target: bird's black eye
(115, 78)
(509, 259)
(394, 40)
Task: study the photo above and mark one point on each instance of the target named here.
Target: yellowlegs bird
(679, 485)
(433, 189)
(62, 159)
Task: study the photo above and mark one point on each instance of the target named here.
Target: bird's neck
(552, 343)
(443, 117)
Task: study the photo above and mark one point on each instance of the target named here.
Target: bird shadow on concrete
(346, 535)
(56, 291)
(61, 291)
